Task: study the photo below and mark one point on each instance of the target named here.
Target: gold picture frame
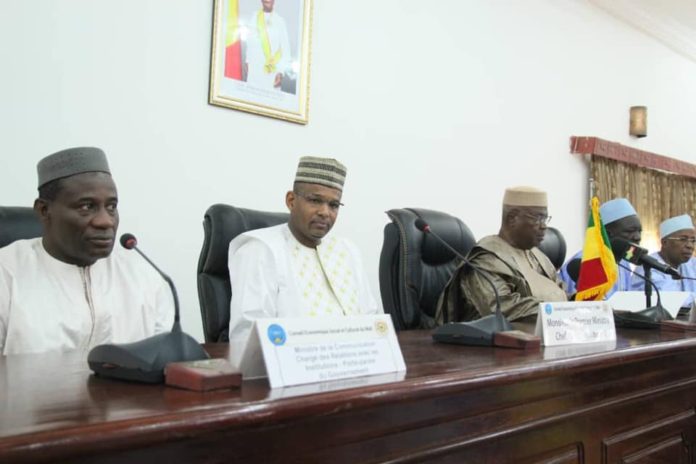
(251, 68)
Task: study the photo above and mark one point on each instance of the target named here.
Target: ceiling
(672, 22)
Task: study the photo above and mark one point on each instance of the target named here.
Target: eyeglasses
(539, 220)
(683, 240)
(318, 201)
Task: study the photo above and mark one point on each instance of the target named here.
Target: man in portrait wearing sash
(521, 273)
(295, 269)
(268, 54)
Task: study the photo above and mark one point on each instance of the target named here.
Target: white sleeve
(254, 287)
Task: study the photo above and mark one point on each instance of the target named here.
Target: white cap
(525, 196)
(675, 224)
(616, 209)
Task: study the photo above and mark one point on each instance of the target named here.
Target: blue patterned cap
(675, 224)
(616, 209)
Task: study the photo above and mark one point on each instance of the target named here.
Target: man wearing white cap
(69, 289)
(620, 220)
(677, 237)
(521, 273)
(295, 269)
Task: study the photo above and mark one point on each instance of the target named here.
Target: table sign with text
(317, 349)
(568, 323)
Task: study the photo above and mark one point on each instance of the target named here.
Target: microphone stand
(146, 360)
(175, 295)
(491, 330)
(651, 317)
(680, 325)
(648, 288)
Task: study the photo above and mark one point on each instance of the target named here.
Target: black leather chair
(221, 224)
(414, 267)
(18, 222)
(554, 246)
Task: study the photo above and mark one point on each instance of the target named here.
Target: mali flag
(233, 46)
(598, 270)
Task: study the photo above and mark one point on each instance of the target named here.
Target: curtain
(656, 195)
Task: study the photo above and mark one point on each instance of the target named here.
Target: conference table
(627, 401)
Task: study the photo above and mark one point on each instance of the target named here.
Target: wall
(429, 104)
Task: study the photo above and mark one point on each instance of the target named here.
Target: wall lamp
(638, 126)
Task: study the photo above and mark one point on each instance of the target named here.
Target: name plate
(569, 323)
(318, 349)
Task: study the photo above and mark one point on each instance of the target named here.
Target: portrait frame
(251, 68)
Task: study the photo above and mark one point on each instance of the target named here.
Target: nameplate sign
(568, 323)
(318, 349)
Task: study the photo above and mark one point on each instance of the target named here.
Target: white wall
(430, 104)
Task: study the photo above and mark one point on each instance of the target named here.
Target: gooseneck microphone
(648, 318)
(646, 279)
(424, 227)
(145, 360)
(633, 253)
(129, 242)
(481, 331)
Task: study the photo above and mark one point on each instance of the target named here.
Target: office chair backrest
(221, 224)
(414, 267)
(554, 246)
(17, 223)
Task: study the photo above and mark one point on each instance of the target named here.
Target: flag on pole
(233, 46)
(598, 269)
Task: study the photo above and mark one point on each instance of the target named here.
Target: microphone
(145, 360)
(637, 255)
(625, 250)
(481, 331)
(648, 318)
(646, 279)
(129, 242)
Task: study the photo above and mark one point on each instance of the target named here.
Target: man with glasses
(295, 269)
(521, 273)
(620, 220)
(677, 237)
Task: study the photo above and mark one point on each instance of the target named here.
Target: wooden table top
(53, 399)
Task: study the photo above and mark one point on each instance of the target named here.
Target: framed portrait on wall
(260, 57)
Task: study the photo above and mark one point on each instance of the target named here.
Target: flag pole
(592, 188)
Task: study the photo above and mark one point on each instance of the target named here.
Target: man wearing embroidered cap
(69, 289)
(620, 220)
(521, 273)
(295, 269)
(677, 237)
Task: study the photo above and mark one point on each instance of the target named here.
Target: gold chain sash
(271, 58)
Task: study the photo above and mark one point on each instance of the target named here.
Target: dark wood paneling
(631, 403)
(661, 440)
